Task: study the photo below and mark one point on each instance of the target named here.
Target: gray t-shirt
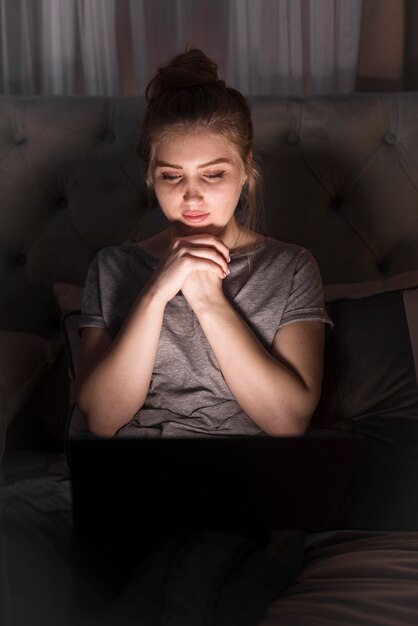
(271, 285)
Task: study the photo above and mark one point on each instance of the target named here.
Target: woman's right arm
(113, 376)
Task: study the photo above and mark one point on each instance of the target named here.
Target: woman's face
(198, 178)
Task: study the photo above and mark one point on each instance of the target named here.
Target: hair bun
(188, 69)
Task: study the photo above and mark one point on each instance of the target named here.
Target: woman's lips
(195, 218)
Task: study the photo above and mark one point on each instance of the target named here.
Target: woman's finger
(207, 253)
(204, 264)
(201, 240)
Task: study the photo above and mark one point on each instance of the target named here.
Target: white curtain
(112, 47)
(140, 54)
(295, 47)
(96, 27)
(57, 43)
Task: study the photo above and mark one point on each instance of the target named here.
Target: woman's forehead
(198, 145)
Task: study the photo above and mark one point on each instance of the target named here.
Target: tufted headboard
(341, 178)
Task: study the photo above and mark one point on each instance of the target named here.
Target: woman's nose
(192, 195)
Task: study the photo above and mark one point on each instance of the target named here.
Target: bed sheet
(353, 578)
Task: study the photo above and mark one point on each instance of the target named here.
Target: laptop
(128, 487)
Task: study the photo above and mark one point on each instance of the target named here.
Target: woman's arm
(113, 377)
(280, 389)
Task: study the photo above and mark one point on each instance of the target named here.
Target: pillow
(330, 411)
(370, 387)
(24, 360)
(350, 291)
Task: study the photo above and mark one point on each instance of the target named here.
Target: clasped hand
(194, 265)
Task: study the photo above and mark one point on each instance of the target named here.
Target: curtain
(113, 47)
(57, 45)
(381, 49)
(295, 47)
(410, 48)
(17, 47)
(388, 49)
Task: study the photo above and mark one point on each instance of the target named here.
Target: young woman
(207, 328)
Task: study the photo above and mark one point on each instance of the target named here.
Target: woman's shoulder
(295, 257)
(121, 252)
(284, 247)
(122, 260)
(275, 259)
(109, 256)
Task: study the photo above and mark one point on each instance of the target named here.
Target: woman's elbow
(292, 421)
(100, 428)
(95, 419)
(289, 426)
(95, 423)
(99, 420)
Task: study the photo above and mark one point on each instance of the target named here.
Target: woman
(207, 328)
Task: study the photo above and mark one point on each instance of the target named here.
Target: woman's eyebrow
(215, 162)
(179, 167)
(165, 164)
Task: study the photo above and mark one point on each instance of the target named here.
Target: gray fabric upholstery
(341, 177)
(70, 183)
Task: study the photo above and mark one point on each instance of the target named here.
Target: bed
(341, 179)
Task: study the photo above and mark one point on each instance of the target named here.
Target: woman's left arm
(278, 390)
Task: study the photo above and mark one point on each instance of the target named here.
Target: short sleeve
(305, 300)
(91, 305)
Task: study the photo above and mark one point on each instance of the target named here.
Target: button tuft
(390, 138)
(383, 266)
(109, 137)
(292, 138)
(62, 203)
(337, 203)
(21, 259)
(20, 139)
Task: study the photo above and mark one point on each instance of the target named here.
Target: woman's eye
(214, 175)
(170, 177)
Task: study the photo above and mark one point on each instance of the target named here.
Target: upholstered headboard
(341, 178)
